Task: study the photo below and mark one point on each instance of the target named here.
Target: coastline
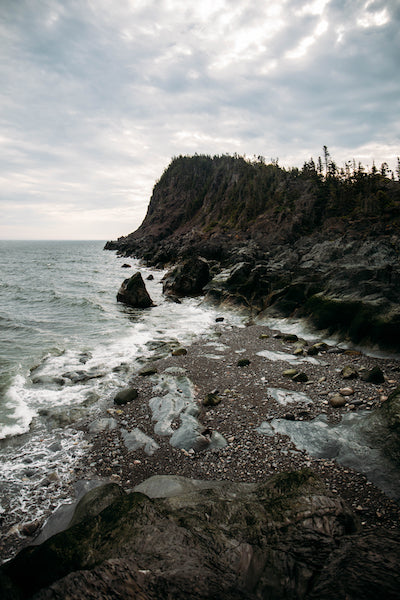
(211, 364)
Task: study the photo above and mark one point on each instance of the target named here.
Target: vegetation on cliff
(248, 198)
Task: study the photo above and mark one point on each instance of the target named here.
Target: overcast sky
(97, 96)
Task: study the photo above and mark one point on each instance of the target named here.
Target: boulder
(133, 292)
(125, 396)
(374, 375)
(187, 278)
(383, 426)
(287, 537)
(349, 372)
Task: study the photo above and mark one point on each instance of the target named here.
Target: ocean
(66, 348)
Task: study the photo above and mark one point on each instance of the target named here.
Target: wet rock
(219, 319)
(284, 538)
(147, 371)
(29, 529)
(374, 375)
(125, 266)
(243, 362)
(179, 352)
(383, 426)
(337, 401)
(187, 278)
(133, 292)
(150, 277)
(349, 372)
(290, 337)
(299, 351)
(125, 396)
(102, 425)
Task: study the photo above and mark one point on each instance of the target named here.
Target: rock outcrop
(287, 243)
(287, 538)
(133, 292)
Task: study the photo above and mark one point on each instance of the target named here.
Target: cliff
(297, 242)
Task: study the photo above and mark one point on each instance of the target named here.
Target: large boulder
(133, 292)
(187, 278)
(383, 427)
(287, 538)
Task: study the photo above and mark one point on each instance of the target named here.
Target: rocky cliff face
(291, 243)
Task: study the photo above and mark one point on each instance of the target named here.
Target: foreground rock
(187, 278)
(180, 538)
(133, 292)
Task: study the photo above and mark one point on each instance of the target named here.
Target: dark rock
(125, 266)
(374, 375)
(179, 352)
(219, 319)
(187, 278)
(212, 399)
(29, 529)
(290, 337)
(300, 377)
(243, 362)
(150, 277)
(125, 396)
(284, 538)
(383, 426)
(133, 292)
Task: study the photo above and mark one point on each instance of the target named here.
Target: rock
(347, 391)
(243, 362)
(264, 336)
(374, 375)
(300, 377)
(337, 401)
(299, 351)
(313, 350)
(29, 529)
(383, 426)
(179, 352)
(349, 372)
(212, 399)
(290, 337)
(150, 277)
(219, 319)
(133, 292)
(187, 278)
(287, 537)
(147, 371)
(125, 266)
(290, 373)
(102, 425)
(125, 396)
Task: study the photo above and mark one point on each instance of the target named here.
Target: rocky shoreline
(231, 374)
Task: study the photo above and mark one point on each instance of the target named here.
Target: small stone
(298, 351)
(300, 377)
(290, 337)
(125, 266)
(349, 372)
(348, 391)
(211, 399)
(337, 401)
(243, 362)
(264, 336)
(290, 373)
(219, 319)
(150, 277)
(28, 529)
(179, 352)
(313, 350)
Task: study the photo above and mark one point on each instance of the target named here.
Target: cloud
(98, 95)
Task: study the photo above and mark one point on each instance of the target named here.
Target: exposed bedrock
(175, 537)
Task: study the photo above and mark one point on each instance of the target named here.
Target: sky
(97, 97)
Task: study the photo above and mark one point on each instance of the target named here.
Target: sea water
(66, 348)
